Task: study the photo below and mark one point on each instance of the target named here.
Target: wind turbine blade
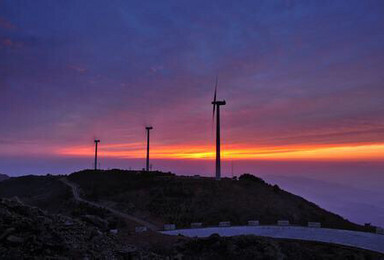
(214, 99)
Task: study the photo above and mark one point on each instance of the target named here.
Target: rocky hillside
(50, 194)
(166, 198)
(45, 192)
(30, 233)
(26, 231)
(3, 177)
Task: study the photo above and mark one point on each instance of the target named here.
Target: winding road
(76, 195)
(363, 240)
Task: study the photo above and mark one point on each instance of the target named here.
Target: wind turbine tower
(96, 142)
(148, 128)
(217, 104)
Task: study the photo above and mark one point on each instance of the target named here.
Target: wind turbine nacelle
(219, 103)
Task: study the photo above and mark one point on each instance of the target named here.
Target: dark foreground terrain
(61, 227)
(27, 231)
(30, 232)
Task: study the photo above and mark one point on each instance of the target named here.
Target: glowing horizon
(343, 152)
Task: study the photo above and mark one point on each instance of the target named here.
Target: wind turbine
(217, 103)
(96, 142)
(148, 128)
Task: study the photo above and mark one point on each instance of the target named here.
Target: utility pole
(148, 128)
(96, 142)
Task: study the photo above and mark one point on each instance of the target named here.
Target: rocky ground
(73, 230)
(27, 231)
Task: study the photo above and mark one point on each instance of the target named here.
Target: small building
(225, 224)
(196, 225)
(253, 223)
(283, 222)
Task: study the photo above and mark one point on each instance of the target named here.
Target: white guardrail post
(168, 227)
(225, 224)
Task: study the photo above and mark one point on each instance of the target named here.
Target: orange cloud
(238, 152)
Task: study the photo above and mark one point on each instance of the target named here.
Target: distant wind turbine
(217, 103)
(148, 128)
(96, 142)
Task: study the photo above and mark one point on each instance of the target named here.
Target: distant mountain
(3, 177)
(166, 198)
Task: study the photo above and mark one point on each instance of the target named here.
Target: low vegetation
(45, 192)
(50, 194)
(166, 198)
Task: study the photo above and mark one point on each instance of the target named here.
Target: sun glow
(238, 152)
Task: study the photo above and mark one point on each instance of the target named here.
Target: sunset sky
(303, 80)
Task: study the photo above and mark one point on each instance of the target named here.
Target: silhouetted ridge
(167, 198)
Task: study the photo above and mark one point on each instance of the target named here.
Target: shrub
(250, 177)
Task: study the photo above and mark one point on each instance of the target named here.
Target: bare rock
(97, 221)
(7, 232)
(15, 239)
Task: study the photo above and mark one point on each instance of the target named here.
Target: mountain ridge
(167, 198)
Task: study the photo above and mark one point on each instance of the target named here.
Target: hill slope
(3, 177)
(27, 232)
(166, 198)
(45, 192)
